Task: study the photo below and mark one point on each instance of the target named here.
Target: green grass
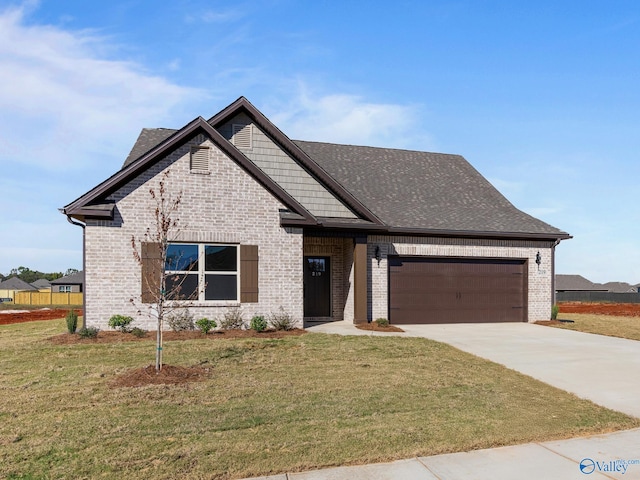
(623, 327)
(269, 406)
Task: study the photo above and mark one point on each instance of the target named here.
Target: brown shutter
(152, 268)
(248, 273)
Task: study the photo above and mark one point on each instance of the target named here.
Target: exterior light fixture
(378, 254)
(538, 259)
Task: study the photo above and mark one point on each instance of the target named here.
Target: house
(10, 286)
(577, 283)
(68, 284)
(42, 285)
(324, 231)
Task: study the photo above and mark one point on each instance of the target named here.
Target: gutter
(84, 251)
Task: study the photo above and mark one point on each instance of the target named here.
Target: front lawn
(624, 327)
(268, 406)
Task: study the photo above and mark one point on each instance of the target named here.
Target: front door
(317, 287)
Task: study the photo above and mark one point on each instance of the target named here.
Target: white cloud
(71, 105)
(344, 118)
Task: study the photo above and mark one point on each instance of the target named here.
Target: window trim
(202, 272)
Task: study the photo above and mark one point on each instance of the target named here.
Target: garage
(425, 290)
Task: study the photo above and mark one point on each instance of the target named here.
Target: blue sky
(541, 97)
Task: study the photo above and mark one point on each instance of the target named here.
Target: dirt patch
(615, 309)
(169, 375)
(374, 327)
(117, 337)
(7, 318)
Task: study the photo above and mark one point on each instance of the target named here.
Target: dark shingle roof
(41, 283)
(421, 190)
(619, 287)
(148, 138)
(73, 279)
(15, 283)
(576, 282)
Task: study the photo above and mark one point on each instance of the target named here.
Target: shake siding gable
(226, 207)
(282, 169)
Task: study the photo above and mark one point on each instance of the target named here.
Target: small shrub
(120, 322)
(72, 321)
(282, 320)
(206, 325)
(382, 322)
(232, 320)
(258, 323)
(554, 312)
(138, 332)
(88, 332)
(181, 320)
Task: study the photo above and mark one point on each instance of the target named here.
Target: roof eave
(242, 104)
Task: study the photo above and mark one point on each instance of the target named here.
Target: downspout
(553, 272)
(84, 251)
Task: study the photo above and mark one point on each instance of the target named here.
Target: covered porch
(336, 278)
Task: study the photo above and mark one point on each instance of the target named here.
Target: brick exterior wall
(540, 293)
(224, 206)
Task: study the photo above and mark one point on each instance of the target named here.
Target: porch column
(360, 278)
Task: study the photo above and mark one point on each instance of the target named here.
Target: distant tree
(30, 276)
(70, 271)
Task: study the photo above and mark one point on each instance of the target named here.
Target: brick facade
(224, 206)
(540, 294)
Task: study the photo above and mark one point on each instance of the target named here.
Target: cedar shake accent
(360, 280)
(248, 273)
(152, 268)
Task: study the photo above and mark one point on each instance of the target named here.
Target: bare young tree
(150, 252)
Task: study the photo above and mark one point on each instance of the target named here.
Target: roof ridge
(378, 148)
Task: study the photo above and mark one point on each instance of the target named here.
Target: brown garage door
(464, 290)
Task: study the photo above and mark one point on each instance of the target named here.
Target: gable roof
(41, 283)
(15, 283)
(575, 282)
(391, 190)
(619, 287)
(73, 279)
(422, 191)
(92, 204)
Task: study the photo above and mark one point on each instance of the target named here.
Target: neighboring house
(324, 231)
(576, 283)
(11, 285)
(43, 285)
(620, 287)
(70, 284)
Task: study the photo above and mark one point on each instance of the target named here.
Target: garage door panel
(444, 290)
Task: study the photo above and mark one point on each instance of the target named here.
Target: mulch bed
(34, 315)
(616, 309)
(117, 337)
(374, 327)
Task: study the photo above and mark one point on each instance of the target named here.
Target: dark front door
(317, 287)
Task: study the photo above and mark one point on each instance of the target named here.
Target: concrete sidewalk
(595, 457)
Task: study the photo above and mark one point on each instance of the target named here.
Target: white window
(64, 289)
(203, 272)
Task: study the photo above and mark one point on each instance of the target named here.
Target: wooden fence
(47, 298)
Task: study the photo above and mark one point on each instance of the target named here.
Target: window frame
(202, 273)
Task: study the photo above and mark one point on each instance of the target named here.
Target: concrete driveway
(605, 370)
